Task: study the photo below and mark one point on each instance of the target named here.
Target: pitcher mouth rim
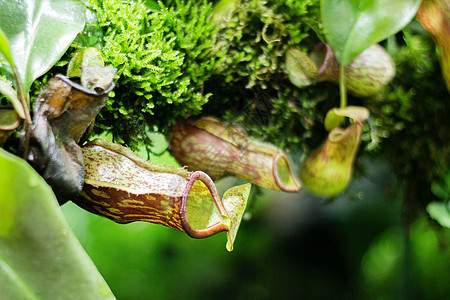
(210, 230)
(294, 188)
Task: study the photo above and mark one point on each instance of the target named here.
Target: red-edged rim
(280, 184)
(213, 229)
(328, 56)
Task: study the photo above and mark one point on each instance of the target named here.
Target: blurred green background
(290, 246)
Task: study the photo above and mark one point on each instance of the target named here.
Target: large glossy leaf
(351, 26)
(40, 258)
(39, 32)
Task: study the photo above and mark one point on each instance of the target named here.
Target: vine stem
(342, 88)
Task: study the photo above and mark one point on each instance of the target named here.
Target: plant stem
(342, 88)
(26, 141)
(25, 100)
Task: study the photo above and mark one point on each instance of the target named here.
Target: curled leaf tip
(63, 116)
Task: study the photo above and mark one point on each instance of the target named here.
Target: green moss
(257, 35)
(174, 62)
(250, 86)
(163, 57)
(411, 114)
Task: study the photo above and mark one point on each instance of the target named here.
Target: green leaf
(4, 47)
(40, 257)
(10, 93)
(439, 211)
(39, 32)
(351, 26)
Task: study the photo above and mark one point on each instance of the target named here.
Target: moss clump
(257, 35)
(411, 114)
(163, 56)
(173, 59)
(250, 86)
